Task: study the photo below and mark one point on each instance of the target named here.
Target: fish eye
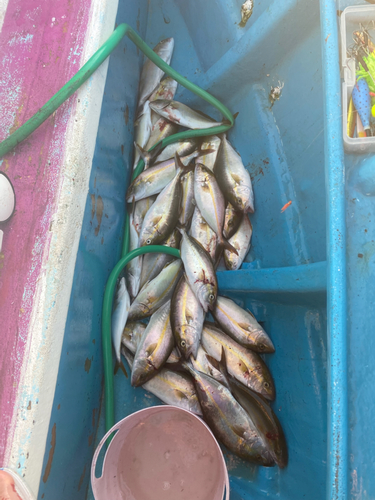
(183, 343)
(239, 199)
(230, 222)
(266, 385)
(148, 242)
(261, 347)
(212, 297)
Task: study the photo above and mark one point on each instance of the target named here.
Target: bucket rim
(96, 482)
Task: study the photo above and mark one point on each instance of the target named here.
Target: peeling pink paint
(40, 49)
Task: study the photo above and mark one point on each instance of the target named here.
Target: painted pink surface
(40, 47)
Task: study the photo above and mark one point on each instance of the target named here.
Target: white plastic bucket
(161, 453)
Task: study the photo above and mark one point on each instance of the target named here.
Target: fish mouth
(269, 395)
(264, 344)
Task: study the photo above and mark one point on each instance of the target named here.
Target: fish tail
(142, 152)
(120, 364)
(227, 122)
(223, 245)
(149, 156)
(203, 152)
(180, 167)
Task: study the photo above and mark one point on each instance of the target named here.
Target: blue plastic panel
(293, 150)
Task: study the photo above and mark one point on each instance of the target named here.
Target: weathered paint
(40, 47)
(42, 44)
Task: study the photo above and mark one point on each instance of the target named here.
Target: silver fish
(154, 263)
(241, 241)
(156, 292)
(188, 202)
(161, 129)
(151, 74)
(156, 178)
(162, 218)
(181, 114)
(154, 348)
(243, 364)
(199, 271)
(202, 232)
(142, 131)
(213, 143)
(140, 210)
(119, 319)
(228, 420)
(233, 178)
(134, 267)
(265, 421)
(241, 325)
(172, 388)
(132, 334)
(183, 148)
(232, 220)
(210, 201)
(187, 318)
(166, 90)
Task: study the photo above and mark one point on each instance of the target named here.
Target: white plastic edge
(36, 390)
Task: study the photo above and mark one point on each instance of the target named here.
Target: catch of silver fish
(194, 195)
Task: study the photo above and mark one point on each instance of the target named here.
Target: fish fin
(223, 245)
(243, 368)
(156, 150)
(166, 103)
(141, 151)
(214, 362)
(180, 167)
(149, 156)
(227, 122)
(120, 364)
(237, 179)
(199, 244)
(244, 326)
(237, 429)
(251, 314)
(221, 366)
(180, 394)
(133, 210)
(204, 152)
(129, 356)
(218, 256)
(151, 348)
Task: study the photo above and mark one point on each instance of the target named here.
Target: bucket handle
(95, 481)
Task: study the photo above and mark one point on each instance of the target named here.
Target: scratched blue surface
(293, 150)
